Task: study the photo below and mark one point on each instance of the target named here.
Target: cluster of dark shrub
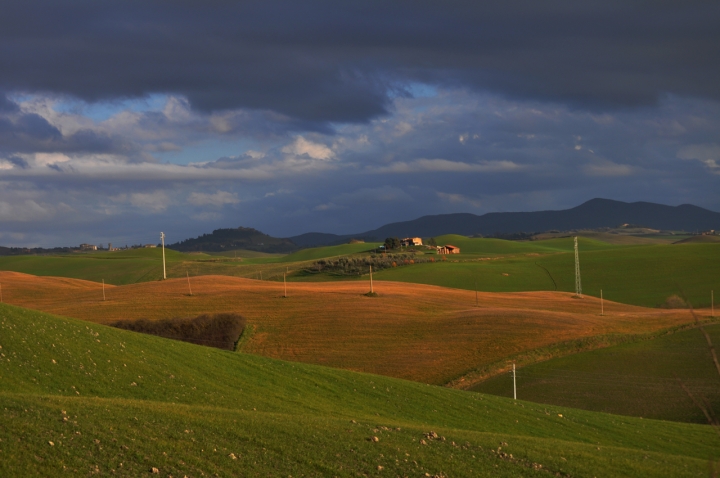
(236, 238)
(213, 330)
(515, 236)
(361, 265)
(19, 251)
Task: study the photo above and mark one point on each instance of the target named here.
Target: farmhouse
(88, 247)
(411, 241)
(448, 249)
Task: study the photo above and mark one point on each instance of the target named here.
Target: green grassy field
(644, 275)
(634, 274)
(489, 246)
(142, 265)
(639, 275)
(245, 254)
(316, 253)
(79, 398)
(118, 267)
(639, 379)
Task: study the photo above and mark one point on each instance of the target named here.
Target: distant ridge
(593, 214)
(237, 238)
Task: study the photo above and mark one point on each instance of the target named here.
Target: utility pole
(188, 278)
(103, 290)
(162, 239)
(578, 286)
(285, 284)
(371, 285)
(514, 384)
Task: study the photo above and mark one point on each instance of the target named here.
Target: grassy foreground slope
(413, 331)
(78, 398)
(639, 379)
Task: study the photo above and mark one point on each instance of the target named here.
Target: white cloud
(385, 194)
(45, 159)
(607, 169)
(206, 216)
(327, 207)
(708, 154)
(443, 165)
(403, 128)
(96, 169)
(459, 199)
(218, 199)
(301, 146)
(278, 192)
(157, 201)
(177, 110)
(254, 154)
(712, 163)
(23, 211)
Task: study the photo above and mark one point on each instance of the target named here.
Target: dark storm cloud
(30, 132)
(18, 161)
(6, 105)
(330, 61)
(31, 126)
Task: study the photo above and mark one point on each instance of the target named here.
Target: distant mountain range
(593, 214)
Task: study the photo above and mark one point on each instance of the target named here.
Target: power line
(578, 285)
(162, 239)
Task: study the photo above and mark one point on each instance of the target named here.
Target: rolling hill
(643, 275)
(84, 399)
(424, 333)
(640, 274)
(643, 379)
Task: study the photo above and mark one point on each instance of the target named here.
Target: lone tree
(392, 243)
(432, 242)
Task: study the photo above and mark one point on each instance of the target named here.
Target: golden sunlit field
(418, 332)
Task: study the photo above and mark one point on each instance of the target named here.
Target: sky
(121, 119)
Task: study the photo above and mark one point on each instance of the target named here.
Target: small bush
(674, 302)
(221, 331)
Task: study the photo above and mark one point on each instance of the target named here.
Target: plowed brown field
(417, 332)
